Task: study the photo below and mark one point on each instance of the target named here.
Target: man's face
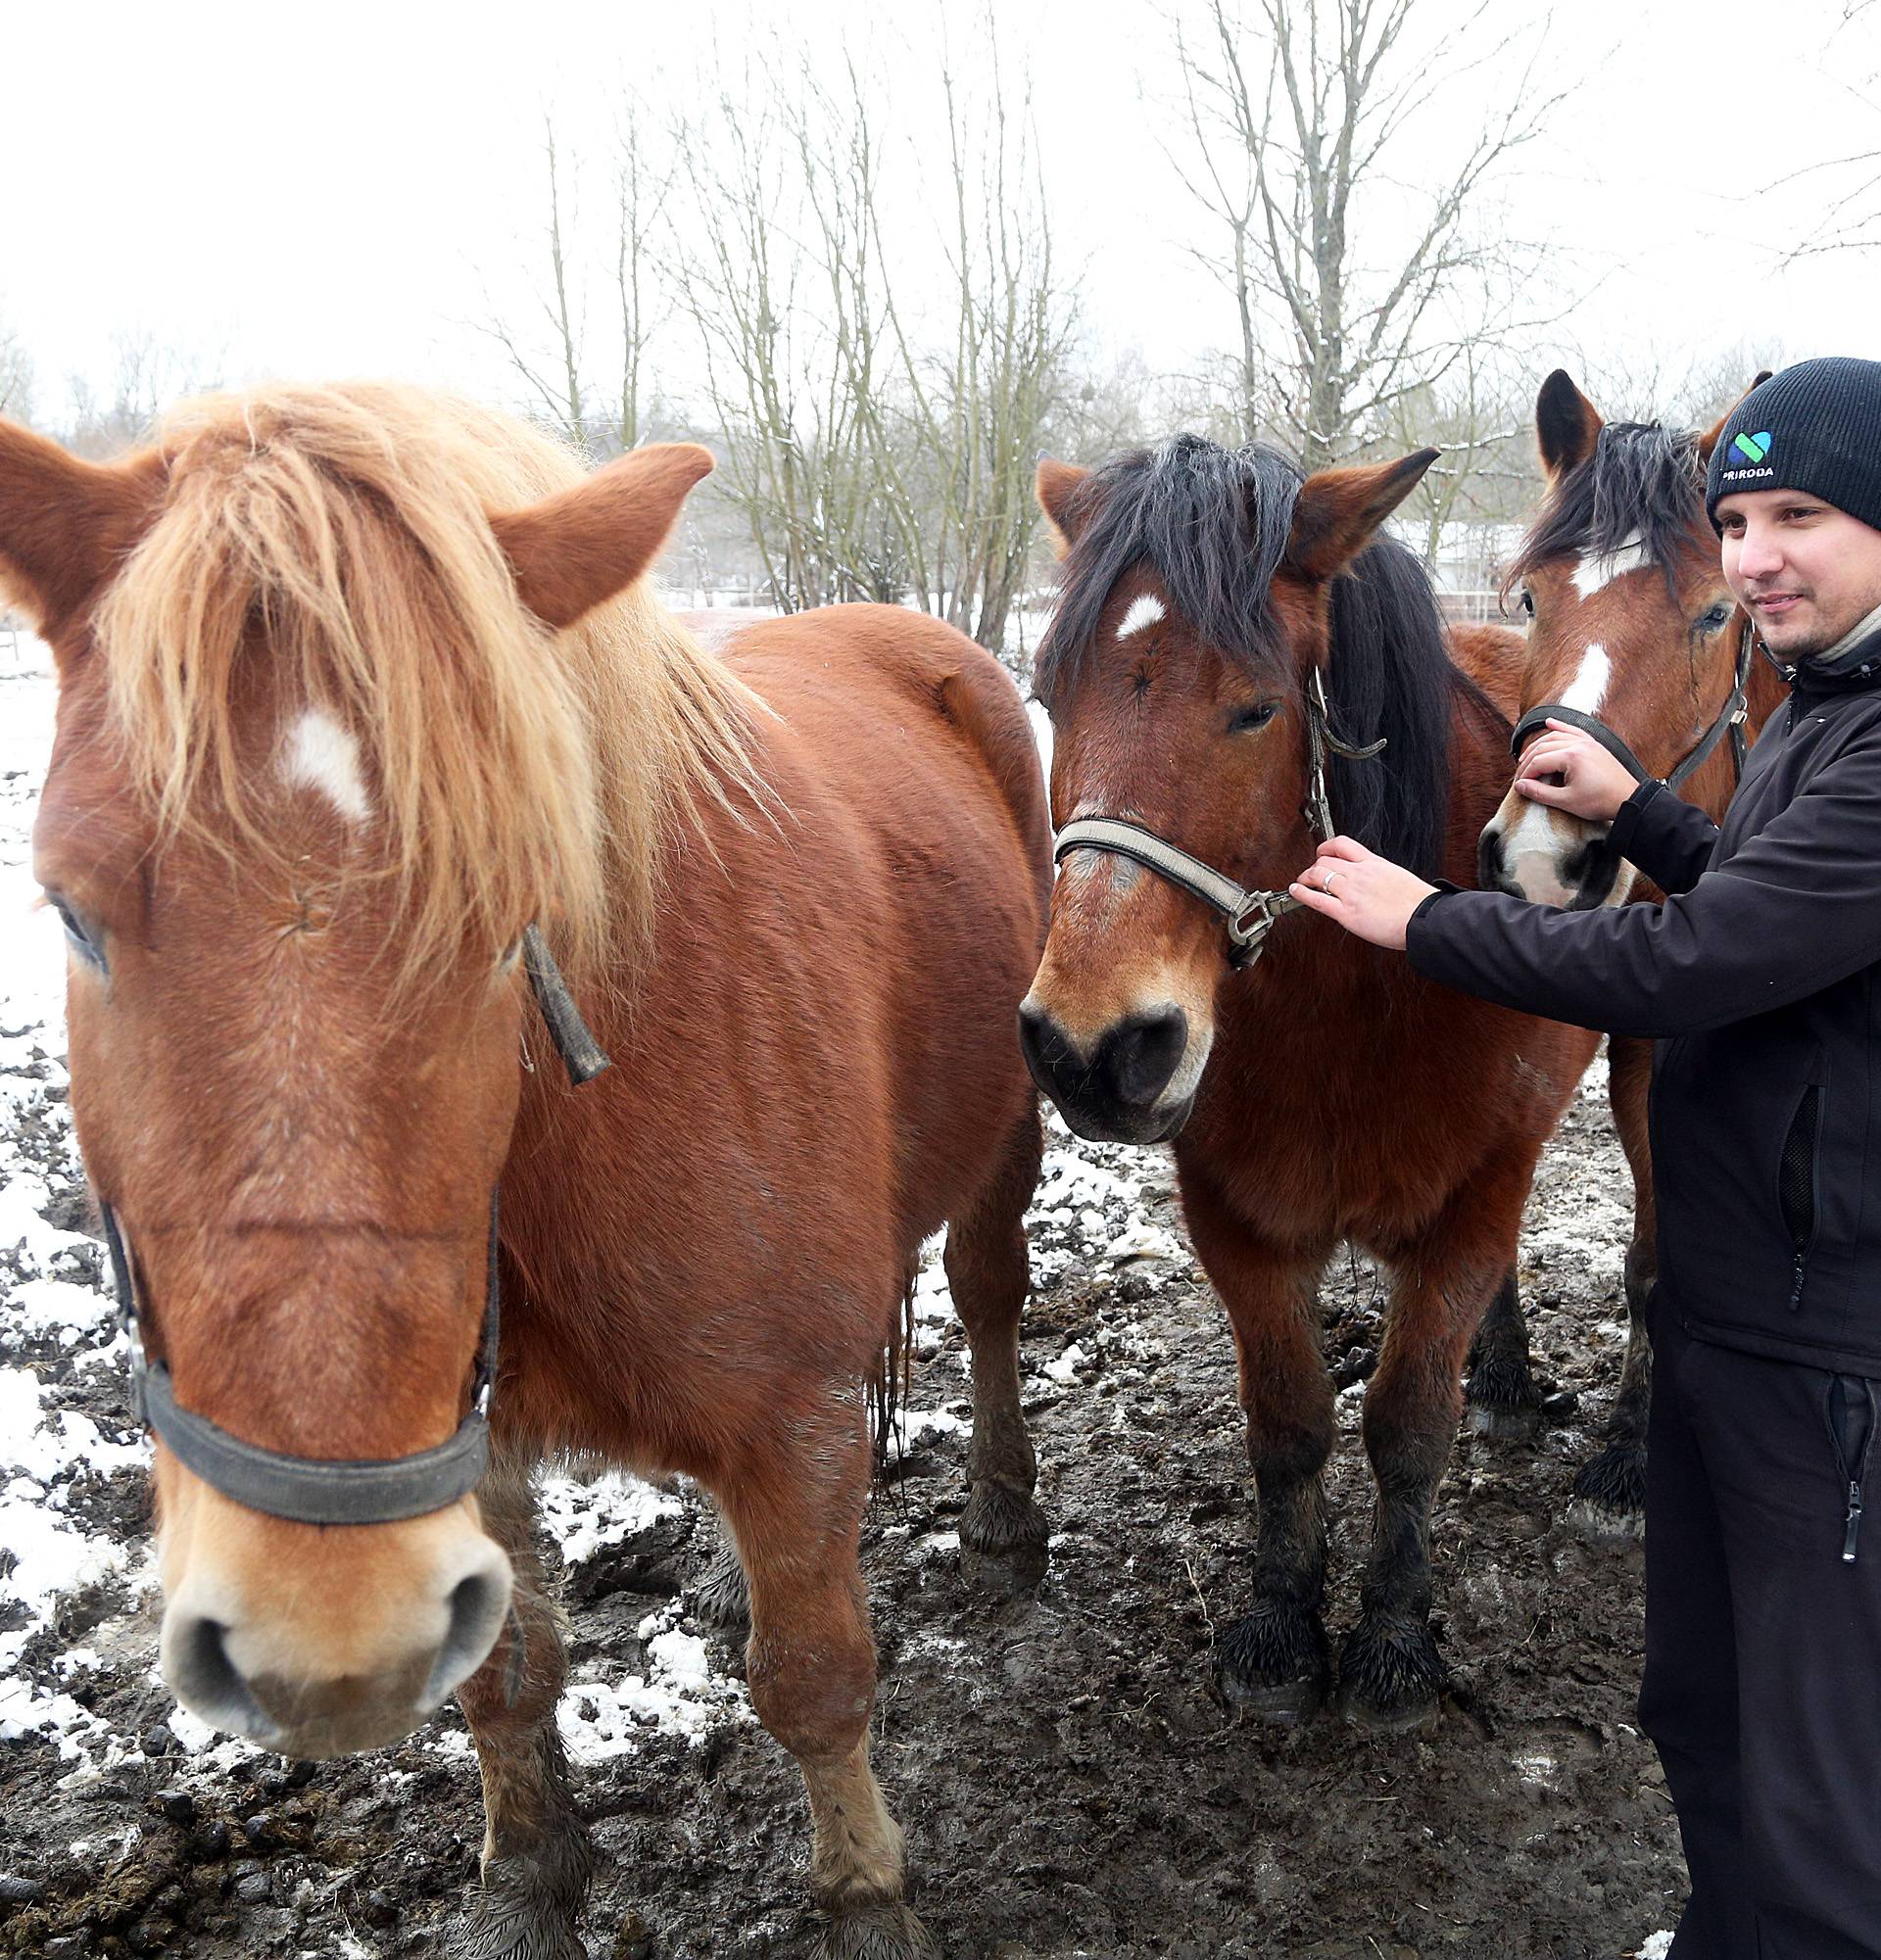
(1804, 572)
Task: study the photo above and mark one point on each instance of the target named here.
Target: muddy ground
(1070, 1780)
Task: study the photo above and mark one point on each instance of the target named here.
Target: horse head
(321, 757)
(1197, 630)
(1630, 623)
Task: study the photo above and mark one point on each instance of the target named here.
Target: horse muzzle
(1135, 1083)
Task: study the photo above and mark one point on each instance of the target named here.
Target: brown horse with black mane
(1630, 624)
(355, 685)
(1231, 639)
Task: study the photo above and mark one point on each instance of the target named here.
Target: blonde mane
(341, 535)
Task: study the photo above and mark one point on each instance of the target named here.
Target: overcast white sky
(333, 189)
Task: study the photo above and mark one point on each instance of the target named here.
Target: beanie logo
(1756, 447)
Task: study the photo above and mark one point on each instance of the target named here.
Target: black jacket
(1759, 979)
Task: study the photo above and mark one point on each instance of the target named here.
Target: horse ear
(66, 525)
(1567, 424)
(1340, 509)
(1056, 486)
(1708, 441)
(581, 546)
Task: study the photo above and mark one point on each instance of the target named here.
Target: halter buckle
(1248, 928)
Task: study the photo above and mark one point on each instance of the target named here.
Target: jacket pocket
(1798, 1183)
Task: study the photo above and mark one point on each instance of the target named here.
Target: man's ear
(1340, 511)
(1057, 486)
(1566, 425)
(579, 548)
(1708, 441)
(66, 525)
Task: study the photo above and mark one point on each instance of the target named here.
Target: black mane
(1214, 524)
(1642, 480)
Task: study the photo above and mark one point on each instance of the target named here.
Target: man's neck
(1862, 629)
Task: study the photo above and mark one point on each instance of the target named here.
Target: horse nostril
(479, 1605)
(1489, 857)
(1140, 1054)
(1043, 1043)
(208, 1683)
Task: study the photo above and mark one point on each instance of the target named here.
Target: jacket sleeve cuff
(1631, 814)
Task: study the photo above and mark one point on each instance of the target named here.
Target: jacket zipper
(1852, 1422)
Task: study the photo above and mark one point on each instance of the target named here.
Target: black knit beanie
(1815, 427)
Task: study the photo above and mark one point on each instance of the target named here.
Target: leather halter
(316, 1490)
(1729, 721)
(1251, 914)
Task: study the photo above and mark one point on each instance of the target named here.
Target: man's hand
(1363, 892)
(1568, 770)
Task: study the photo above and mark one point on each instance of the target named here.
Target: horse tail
(981, 701)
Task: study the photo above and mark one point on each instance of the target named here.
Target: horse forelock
(1640, 492)
(1210, 523)
(341, 536)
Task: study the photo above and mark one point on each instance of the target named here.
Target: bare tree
(1483, 421)
(1293, 125)
(147, 375)
(552, 353)
(977, 407)
(878, 420)
(1853, 221)
(16, 375)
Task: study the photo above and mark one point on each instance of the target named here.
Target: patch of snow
(680, 1693)
(584, 1516)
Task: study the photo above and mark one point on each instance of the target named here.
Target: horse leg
(537, 1859)
(722, 1597)
(1501, 1396)
(1002, 1531)
(1390, 1673)
(1607, 1500)
(1274, 1657)
(811, 1662)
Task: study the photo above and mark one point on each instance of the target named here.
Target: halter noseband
(1729, 721)
(316, 1490)
(1251, 914)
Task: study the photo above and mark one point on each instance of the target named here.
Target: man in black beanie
(1760, 978)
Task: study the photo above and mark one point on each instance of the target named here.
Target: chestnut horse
(355, 685)
(1228, 636)
(1630, 623)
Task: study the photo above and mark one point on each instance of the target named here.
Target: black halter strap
(1729, 721)
(313, 1489)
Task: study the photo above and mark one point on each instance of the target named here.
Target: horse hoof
(1274, 1665)
(874, 1933)
(723, 1597)
(1003, 1548)
(510, 1926)
(1390, 1677)
(1607, 1504)
(1503, 1423)
(1502, 1402)
(527, 1905)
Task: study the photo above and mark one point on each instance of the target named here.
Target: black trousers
(1763, 1682)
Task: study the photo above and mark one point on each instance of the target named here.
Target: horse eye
(77, 936)
(1243, 720)
(1527, 601)
(1714, 619)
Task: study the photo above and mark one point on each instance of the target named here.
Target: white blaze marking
(1589, 687)
(1593, 571)
(322, 755)
(1145, 609)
